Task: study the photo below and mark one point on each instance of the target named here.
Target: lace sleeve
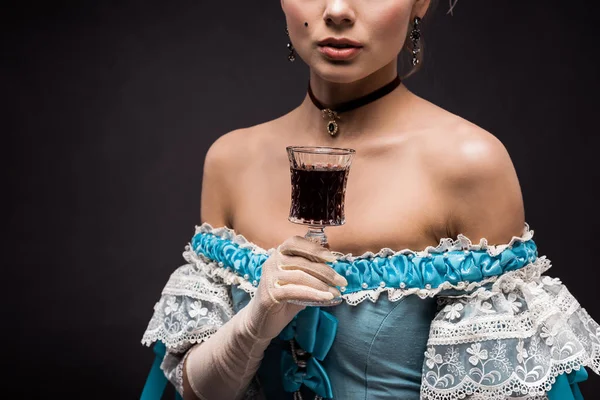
(191, 308)
(193, 305)
(509, 339)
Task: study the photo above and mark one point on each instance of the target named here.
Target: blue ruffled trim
(243, 261)
(430, 271)
(404, 271)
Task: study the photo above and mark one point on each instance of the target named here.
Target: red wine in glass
(318, 194)
(318, 178)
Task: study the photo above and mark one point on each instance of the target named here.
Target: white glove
(297, 271)
(222, 367)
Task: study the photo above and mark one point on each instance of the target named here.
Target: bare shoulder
(461, 149)
(226, 148)
(221, 163)
(475, 178)
(232, 151)
(225, 161)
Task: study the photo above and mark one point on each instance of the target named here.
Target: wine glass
(318, 177)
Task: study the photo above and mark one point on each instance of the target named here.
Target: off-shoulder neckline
(462, 243)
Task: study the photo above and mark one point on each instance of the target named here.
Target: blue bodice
(450, 311)
(377, 352)
(378, 347)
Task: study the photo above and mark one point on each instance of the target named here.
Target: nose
(338, 12)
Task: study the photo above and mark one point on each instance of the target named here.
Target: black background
(109, 108)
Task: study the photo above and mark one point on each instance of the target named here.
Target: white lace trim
(446, 244)
(172, 367)
(395, 294)
(508, 336)
(217, 271)
(515, 387)
(227, 276)
(193, 305)
(191, 308)
(510, 340)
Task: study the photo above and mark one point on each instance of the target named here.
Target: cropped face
(373, 33)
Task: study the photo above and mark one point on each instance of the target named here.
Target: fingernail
(329, 257)
(334, 292)
(340, 280)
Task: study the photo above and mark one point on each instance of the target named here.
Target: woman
(461, 317)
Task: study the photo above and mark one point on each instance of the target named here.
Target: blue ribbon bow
(314, 330)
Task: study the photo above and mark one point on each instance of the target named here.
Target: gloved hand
(222, 367)
(296, 271)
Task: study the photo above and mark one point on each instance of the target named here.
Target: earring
(292, 55)
(415, 35)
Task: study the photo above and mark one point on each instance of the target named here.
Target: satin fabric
(379, 347)
(377, 354)
(397, 271)
(156, 382)
(314, 331)
(566, 388)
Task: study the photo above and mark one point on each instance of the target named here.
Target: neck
(356, 123)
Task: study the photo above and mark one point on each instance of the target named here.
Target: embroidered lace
(507, 336)
(508, 341)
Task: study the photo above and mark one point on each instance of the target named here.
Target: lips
(339, 43)
(339, 54)
(338, 46)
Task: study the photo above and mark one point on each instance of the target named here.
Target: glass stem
(317, 235)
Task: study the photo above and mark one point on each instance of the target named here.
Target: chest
(389, 202)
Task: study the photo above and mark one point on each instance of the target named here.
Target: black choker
(331, 115)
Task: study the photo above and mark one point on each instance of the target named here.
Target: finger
(320, 271)
(303, 293)
(299, 246)
(299, 277)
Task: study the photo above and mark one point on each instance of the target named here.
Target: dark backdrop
(110, 106)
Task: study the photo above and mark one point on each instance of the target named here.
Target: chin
(340, 72)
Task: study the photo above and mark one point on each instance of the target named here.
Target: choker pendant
(331, 116)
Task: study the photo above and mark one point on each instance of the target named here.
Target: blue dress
(459, 319)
